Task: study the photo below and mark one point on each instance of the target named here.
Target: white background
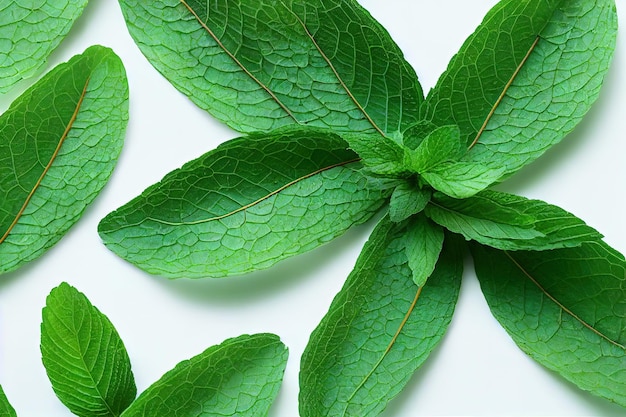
(477, 370)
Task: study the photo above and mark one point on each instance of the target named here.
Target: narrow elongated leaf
(424, 241)
(245, 205)
(241, 377)
(29, 32)
(84, 356)
(406, 200)
(59, 143)
(566, 308)
(525, 78)
(259, 65)
(510, 222)
(379, 329)
(6, 410)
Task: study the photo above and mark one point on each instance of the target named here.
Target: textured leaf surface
(423, 242)
(525, 78)
(29, 32)
(245, 205)
(59, 143)
(462, 179)
(566, 308)
(6, 410)
(84, 356)
(441, 145)
(241, 377)
(262, 65)
(406, 200)
(510, 222)
(379, 329)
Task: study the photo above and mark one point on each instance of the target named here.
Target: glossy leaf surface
(29, 32)
(379, 329)
(59, 143)
(566, 308)
(244, 206)
(84, 356)
(262, 65)
(240, 377)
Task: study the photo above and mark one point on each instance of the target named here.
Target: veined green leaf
(381, 155)
(424, 242)
(525, 78)
(246, 205)
(462, 179)
(406, 200)
(6, 410)
(59, 143)
(509, 222)
(442, 145)
(29, 32)
(241, 377)
(379, 329)
(566, 308)
(259, 65)
(84, 356)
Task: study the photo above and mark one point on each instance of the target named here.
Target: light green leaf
(565, 308)
(29, 32)
(246, 205)
(381, 155)
(379, 329)
(510, 222)
(59, 143)
(424, 242)
(525, 78)
(261, 65)
(241, 377)
(462, 179)
(406, 200)
(6, 410)
(84, 356)
(441, 145)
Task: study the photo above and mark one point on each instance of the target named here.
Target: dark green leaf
(510, 222)
(240, 377)
(245, 205)
(379, 329)
(84, 356)
(29, 33)
(259, 65)
(6, 410)
(59, 143)
(406, 200)
(566, 308)
(525, 78)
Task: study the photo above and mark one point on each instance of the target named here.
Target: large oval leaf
(240, 377)
(244, 206)
(566, 308)
(525, 78)
(260, 65)
(29, 32)
(379, 329)
(84, 356)
(59, 143)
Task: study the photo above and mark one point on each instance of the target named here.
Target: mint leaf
(84, 356)
(565, 308)
(240, 377)
(262, 65)
(510, 222)
(6, 410)
(59, 143)
(381, 155)
(30, 33)
(441, 145)
(424, 242)
(406, 200)
(462, 179)
(530, 71)
(245, 206)
(379, 329)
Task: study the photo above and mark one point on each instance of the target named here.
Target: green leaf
(462, 179)
(262, 65)
(525, 78)
(59, 143)
(381, 155)
(565, 308)
(84, 356)
(424, 242)
(509, 222)
(246, 205)
(406, 200)
(6, 410)
(240, 377)
(379, 329)
(29, 32)
(441, 145)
